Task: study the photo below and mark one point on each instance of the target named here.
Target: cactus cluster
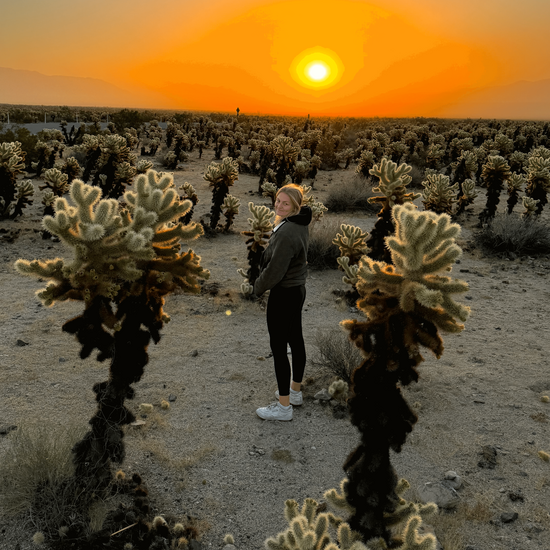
(220, 176)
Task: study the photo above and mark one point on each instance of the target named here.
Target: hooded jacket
(284, 261)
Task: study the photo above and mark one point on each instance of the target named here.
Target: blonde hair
(295, 194)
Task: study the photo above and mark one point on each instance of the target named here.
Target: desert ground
(210, 457)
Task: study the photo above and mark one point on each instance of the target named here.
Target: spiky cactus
(220, 177)
(351, 242)
(365, 163)
(406, 304)
(515, 185)
(467, 197)
(123, 264)
(143, 166)
(439, 194)
(261, 224)
(530, 206)
(392, 186)
(495, 173)
(538, 181)
(12, 164)
(189, 194)
(269, 190)
(230, 208)
(309, 528)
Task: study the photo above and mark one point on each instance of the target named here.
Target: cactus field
(195, 440)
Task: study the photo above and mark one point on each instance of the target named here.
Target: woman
(283, 272)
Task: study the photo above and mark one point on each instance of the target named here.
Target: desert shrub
(512, 233)
(322, 252)
(336, 354)
(353, 194)
(36, 469)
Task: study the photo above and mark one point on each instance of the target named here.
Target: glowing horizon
(324, 57)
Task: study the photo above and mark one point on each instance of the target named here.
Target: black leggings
(284, 323)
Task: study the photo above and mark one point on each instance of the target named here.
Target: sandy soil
(211, 457)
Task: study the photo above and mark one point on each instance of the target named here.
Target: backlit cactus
(351, 242)
(406, 304)
(220, 177)
(538, 180)
(439, 194)
(261, 224)
(393, 181)
(496, 172)
(123, 264)
(12, 164)
(230, 209)
(467, 196)
(310, 529)
(515, 185)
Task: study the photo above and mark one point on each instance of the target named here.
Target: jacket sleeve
(278, 264)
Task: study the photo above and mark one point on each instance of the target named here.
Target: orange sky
(389, 58)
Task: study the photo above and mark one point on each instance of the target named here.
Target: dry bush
(336, 354)
(511, 233)
(353, 194)
(36, 477)
(322, 253)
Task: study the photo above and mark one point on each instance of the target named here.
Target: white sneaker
(275, 411)
(296, 397)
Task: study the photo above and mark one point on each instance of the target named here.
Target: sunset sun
(317, 68)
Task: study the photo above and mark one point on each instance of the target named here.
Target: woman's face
(283, 206)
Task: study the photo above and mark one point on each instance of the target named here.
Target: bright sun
(317, 68)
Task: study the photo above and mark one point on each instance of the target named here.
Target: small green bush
(322, 252)
(351, 195)
(511, 233)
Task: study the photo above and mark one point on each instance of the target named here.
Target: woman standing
(283, 272)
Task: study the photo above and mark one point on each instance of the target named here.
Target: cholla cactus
(190, 194)
(434, 154)
(69, 167)
(365, 164)
(270, 190)
(392, 185)
(406, 304)
(12, 164)
(351, 242)
(311, 529)
(496, 172)
(143, 165)
(55, 180)
(515, 185)
(230, 208)
(467, 197)
(123, 264)
(538, 180)
(24, 191)
(220, 177)
(530, 206)
(301, 170)
(318, 210)
(350, 275)
(439, 194)
(261, 224)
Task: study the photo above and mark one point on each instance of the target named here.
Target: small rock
(21, 343)
(5, 430)
(509, 517)
(172, 398)
(195, 545)
(444, 496)
(453, 480)
(260, 358)
(516, 496)
(229, 547)
(488, 457)
(194, 353)
(62, 360)
(323, 395)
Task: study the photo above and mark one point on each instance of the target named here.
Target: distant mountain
(33, 88)
(521, 100)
